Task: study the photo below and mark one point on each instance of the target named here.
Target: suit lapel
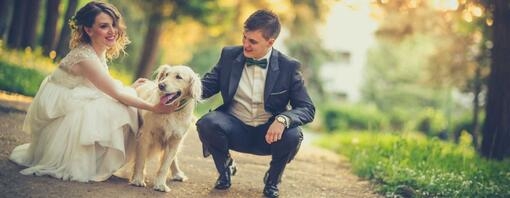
(272, 74)
(235, 75)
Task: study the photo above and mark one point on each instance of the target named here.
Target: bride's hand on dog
(139, 82)
(162, 108)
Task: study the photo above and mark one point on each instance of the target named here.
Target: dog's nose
(162, 86)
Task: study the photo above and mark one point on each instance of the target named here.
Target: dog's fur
(162, 134)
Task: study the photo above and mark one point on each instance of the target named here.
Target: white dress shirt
(248, 103)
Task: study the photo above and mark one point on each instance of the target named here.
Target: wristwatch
(281, 119)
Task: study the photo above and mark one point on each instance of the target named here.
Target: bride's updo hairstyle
(86, 16)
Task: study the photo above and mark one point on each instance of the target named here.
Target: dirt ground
(314, 173)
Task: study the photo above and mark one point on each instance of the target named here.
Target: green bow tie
(261, 63)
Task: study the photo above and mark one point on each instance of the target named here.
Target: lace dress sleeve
(76, 55)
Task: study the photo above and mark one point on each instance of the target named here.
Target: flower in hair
(73, 23)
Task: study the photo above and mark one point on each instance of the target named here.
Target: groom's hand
(275, 131)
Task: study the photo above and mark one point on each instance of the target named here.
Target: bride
(80, 119)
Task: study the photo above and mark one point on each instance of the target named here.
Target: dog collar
(182, 104)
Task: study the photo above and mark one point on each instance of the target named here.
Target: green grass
(413, 166)
(19, 80)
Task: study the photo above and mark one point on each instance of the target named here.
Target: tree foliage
(173, 31)
(449, 41)
(394, 77)
(458, 34)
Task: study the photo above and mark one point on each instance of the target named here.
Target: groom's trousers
(220, 131)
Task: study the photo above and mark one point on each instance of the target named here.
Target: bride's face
(103, 32)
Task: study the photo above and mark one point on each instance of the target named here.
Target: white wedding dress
(78, 133)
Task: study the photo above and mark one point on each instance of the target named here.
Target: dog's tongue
(166, 99)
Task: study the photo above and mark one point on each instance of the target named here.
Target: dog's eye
(178, 76)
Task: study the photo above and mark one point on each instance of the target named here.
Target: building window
(344, 57)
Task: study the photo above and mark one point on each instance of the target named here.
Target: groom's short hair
(264, 20)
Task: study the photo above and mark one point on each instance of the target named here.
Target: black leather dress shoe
(271, 186)
(271, 190)
(223, 182)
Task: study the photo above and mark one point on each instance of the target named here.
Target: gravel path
(314, 173)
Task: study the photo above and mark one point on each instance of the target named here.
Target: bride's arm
(104, 82)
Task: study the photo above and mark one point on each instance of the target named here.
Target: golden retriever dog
(162, 134)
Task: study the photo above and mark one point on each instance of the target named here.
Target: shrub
(358, 117)
(431, 122)
(464, 122)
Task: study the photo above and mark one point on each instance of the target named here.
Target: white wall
(349, 28)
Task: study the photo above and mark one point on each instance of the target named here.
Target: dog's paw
(180, 176)
(161, 187)
(138, 182)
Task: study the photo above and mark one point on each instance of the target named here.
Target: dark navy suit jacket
(284, 85)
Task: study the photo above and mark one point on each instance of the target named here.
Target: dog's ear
(196, 87)
(161, 72)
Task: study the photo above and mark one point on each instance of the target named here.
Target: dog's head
(177, 82)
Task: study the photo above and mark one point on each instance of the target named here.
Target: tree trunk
(17, 24)
(150, 47)
(31, 22)
(5, 16)
(50, 26)
(496, 128)
(476, 107)
(65, 32)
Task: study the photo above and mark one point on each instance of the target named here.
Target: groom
(257, 84)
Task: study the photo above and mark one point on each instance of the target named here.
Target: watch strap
(287, 120)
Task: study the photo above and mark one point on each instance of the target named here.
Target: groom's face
(255, 45)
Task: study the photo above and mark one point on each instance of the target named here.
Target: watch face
(280, 119)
